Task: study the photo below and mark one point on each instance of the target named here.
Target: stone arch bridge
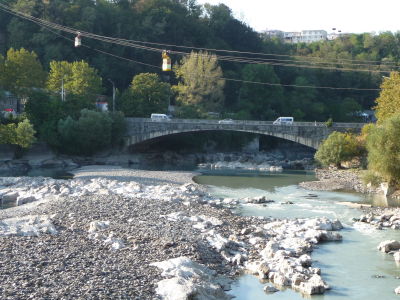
(310, 134)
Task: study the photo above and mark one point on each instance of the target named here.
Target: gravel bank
(108, 237)
(333, 179)
(140, 176)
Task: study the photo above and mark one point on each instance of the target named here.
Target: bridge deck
(307, 133)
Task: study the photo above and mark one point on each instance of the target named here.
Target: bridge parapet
(307, 133)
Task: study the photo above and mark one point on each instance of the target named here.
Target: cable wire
(42, 24)
(236, 59)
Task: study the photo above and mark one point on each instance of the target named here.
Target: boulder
(397, 290)
(190, 280)
(25, 199)
(387, 246)
(258, 200)
(10, 197)
(281, 280)
(269, 250)
(315, 285)
(270, 289)
(263, 270)
(328, 236)
(98, 226)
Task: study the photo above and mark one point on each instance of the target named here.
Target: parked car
(283, 121)
(225, 121)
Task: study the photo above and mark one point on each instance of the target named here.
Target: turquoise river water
(354, 268)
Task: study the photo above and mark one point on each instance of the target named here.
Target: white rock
(98, 226)
(190, 280)
(25, 199)
(270, 289)
(10, 197)
(387, 246)
(281, 280)
(269, 250)
(27, 226)
(327, 236)
(315, 285)
(115, 243)
(397, 290)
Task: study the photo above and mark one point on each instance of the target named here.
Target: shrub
(336, 148)
(372, 178)
(329, 122)
(90, 133)
(383, 145)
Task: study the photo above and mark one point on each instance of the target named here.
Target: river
(354, 268)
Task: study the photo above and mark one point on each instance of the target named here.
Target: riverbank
(336, 179)
(110, 237)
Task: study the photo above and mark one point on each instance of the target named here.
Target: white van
(283, 121)
(160, 117)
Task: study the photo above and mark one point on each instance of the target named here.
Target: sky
(351, 16)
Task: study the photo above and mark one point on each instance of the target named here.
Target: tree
(336, 148)
(90, 133)
(383, 145)
(201, 82)
(1, 71)
(22, 71)
(7, 133)
(24, 134)
(78, 77)
(147, 94)
(261, 102)
(388, 102)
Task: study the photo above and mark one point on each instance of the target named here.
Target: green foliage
(21, 72)
(79, 78)
(329, 123)
(24, 134)
(383, 145)
(261, 102)
(21, 134)
(338, 147)
(388, 102)
(147, 94)
(201, 82)
(184, 22)
(185, 111)
(365, 131)
(370, 177)
(118, 128)
(92, 132)
(44, 110)
(7, 133)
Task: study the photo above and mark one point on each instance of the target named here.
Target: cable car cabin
(166, 65)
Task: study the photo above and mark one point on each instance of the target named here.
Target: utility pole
(113, 97)
(62, 90)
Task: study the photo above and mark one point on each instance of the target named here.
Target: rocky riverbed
(144, 235)
(335, 179)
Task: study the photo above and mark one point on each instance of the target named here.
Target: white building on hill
(305, 36)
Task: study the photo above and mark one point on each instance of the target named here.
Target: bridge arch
(310, 134)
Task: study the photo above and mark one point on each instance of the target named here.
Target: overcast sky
(354, 16)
